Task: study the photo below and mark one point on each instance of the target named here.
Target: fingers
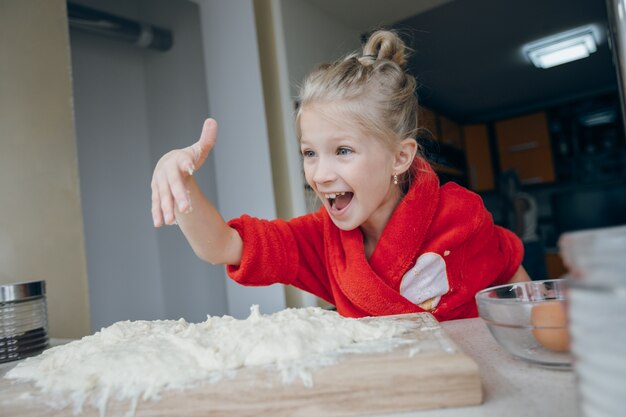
(203, 146)
(166, 201)
(168, 187)
(179, 192)
(168, 194)
(157, 215)
(168, 182)
(186, 165)
(208, 137)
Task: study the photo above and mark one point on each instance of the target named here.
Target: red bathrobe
(439, 248)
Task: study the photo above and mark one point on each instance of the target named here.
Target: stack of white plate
(23, 320)
(597, 317)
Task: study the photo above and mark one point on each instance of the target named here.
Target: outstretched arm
(176, 197)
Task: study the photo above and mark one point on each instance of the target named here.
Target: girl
(387, 238)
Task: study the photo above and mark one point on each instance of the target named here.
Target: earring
(395, 179)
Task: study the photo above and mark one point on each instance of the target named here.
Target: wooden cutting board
(430, 372)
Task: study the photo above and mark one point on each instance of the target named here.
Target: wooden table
(511, 387)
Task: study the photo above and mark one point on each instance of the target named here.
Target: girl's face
(349, 171)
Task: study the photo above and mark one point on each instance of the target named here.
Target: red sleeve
(283, 252)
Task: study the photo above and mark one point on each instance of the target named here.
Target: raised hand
(169, 180)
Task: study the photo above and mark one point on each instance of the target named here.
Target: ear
(405, 153)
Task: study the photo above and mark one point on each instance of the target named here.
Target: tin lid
(22, 291)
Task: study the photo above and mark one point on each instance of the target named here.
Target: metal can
(23, 320)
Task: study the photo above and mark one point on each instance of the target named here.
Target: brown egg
(551, 314)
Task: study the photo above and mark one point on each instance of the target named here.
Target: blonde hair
(372, 87)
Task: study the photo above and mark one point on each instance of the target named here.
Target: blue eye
(307, 153)
(344, 151)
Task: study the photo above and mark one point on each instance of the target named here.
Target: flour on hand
(133, 360)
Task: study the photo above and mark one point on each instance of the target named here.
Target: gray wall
(133, 105)
(242, 156)
(113, 142)
(332, 39)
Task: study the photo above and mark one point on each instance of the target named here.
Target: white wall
(241, 155)
(177, 104)
(41, 230)
(132, 105)
(313, 37)
(112, 140)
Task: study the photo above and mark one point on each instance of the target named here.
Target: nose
(323, 171)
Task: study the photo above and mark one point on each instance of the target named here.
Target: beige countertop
(511, 387)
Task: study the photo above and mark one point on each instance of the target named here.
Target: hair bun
(385, 44)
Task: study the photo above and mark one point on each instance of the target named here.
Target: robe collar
(373, 287)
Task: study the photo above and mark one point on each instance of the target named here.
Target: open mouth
(339, 201)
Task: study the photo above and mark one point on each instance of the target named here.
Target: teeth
(334, 195)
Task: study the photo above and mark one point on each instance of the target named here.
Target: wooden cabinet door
(554, 265)
(478, 155)
(450, 132)
(427, 121)
(524, 145)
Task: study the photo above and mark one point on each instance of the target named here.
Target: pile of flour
(135, 360)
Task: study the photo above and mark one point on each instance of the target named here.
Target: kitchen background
(84, 118)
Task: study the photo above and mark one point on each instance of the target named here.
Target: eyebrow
(332, 139)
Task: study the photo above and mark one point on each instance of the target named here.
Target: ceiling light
(599, 117)
(563, 47)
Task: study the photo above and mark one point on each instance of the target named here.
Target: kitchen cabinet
(524, 146)
(428, 122)
(554, 265)
(478, 156)
(450, 133)
(588, 141)
(440, 128)
(442, 145)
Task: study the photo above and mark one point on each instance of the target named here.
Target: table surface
(511, 387)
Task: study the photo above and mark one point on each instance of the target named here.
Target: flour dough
(134, 360)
